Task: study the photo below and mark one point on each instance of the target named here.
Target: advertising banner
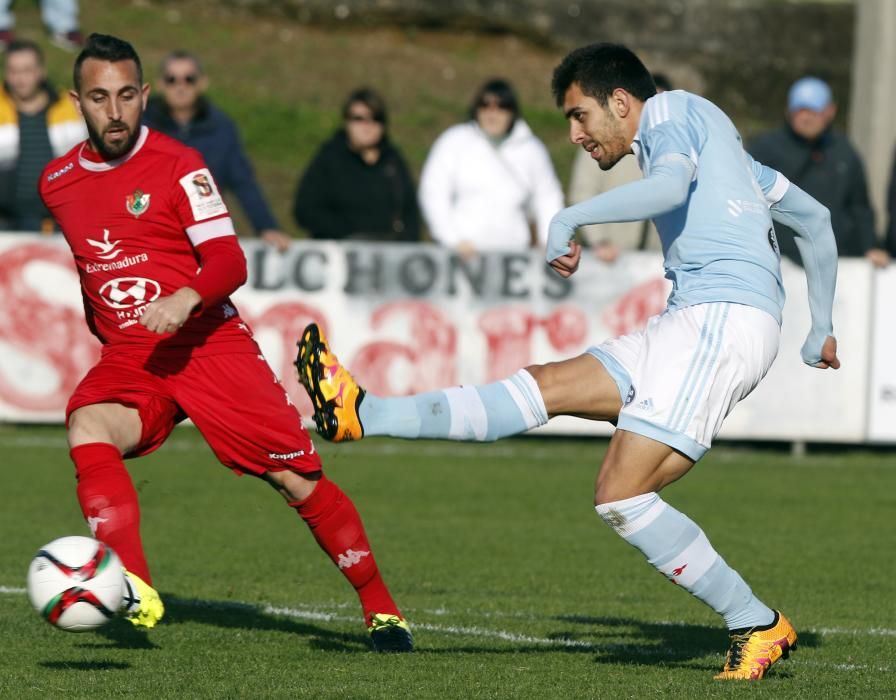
(411, 318)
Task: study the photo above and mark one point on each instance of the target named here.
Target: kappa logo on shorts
(286, 455)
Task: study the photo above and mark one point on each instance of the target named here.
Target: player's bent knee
(292, 485)
(116, 425)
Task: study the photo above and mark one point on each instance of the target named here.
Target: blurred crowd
(487, 183)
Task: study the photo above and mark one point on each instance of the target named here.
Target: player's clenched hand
(829, 354)
(565, 265)
(168, 314)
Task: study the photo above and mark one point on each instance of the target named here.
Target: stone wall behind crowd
(741, 53)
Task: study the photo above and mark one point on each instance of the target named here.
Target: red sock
(109, 503)
(337, 527)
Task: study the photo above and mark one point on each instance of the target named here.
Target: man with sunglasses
(185, 113)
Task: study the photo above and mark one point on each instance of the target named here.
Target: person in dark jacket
(814, 156)
(358, 185)
(184, 113)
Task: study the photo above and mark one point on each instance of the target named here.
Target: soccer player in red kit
(158, 258)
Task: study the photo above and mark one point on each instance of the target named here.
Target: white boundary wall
(413, 318)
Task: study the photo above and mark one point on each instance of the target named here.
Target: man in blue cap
(810, 153)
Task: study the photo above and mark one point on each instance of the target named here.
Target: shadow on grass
(250, 617)
(119, 634)
(85, 665)
(631, 641)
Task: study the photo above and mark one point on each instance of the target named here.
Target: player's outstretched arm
(811, 221)
(664, 190)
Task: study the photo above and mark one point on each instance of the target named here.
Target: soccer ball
(76, 583)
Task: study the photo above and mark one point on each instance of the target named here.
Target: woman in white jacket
(489, 183)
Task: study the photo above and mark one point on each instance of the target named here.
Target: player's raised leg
(98, 435)
(344, 411)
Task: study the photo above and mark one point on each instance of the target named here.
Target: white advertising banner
(882, 385)
(410, 318)
(798, 402)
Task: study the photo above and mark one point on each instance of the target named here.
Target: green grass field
(513, 585)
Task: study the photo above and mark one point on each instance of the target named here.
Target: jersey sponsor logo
(205, 200)
(736, 207)
(350, 557)
(137, 203)
(128, 292)
(108, 250)
(59, 173)
(126, 261)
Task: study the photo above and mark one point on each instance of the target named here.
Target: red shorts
(235, 401)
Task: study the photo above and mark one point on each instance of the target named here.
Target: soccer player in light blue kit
(670, 385)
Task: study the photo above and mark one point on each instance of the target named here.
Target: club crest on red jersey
(137, 203)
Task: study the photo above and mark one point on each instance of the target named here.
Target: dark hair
(17, 45)
(369, 98)
(662, 82)
(599, 69)
(105, 48)
(503, 91)
(181, 55)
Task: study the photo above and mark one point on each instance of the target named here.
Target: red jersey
(133, 225)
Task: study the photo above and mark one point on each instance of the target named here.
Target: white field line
(323, 613)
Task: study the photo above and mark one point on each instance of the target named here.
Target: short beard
(107, 152)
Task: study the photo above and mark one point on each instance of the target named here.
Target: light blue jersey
(713, 206)
(720, 245)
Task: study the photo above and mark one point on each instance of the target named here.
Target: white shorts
(682, 375)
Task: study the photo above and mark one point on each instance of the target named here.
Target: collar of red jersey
(98, 166)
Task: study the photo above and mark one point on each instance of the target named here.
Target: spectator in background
(488, 182)
(60, 17)
(588, 180)
(890, 241)
(185, 113)
(813, 155)
(358, 185)
(36, 125)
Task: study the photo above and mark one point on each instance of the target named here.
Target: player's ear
(145, 94)
(620, 102)
(76, 100)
